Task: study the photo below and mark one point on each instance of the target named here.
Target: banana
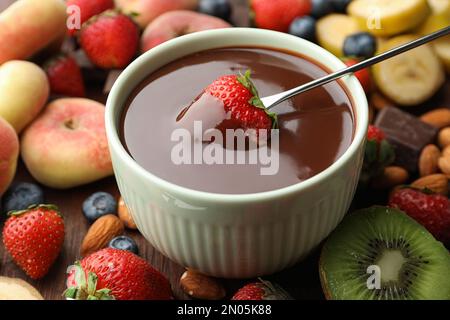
(332, 31)
(389, 17)
(442, 49)
(17, 289)
(412, 77)
(439, 18)
(440, 7)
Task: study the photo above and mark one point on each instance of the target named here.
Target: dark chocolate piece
(407, 134)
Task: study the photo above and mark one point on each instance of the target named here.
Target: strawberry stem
(246, 81)
(274, 291)
(86, 290)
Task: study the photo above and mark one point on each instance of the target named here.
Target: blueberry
(218, 8)
(340, 5)
(321, 8)
(304, 27)
(22, 195)
(124, 243)
(361, 44)
(99, 204)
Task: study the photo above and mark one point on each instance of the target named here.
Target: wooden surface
(301, 281)
(306, 284)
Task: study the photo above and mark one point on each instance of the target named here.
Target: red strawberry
(34, 238)
(110, 40)
(375, 134)
(430, 210)
(241, 99)
(263, 290)
(89, 8)
(64, 76)
(278, 15)
(116, 274)
(363, 75)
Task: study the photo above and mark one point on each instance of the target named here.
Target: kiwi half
(411, 264)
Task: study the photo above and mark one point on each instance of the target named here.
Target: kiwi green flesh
(412, 264)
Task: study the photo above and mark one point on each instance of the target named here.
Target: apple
(176, 23)
(9, 152)
(147, 10)
(66, 145)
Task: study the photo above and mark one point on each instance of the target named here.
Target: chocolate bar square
(408, 135)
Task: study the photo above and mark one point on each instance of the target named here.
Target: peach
(148, 10)
(176, 23)
(24, 90)
(28, 26)
(66, 145)
(9, 152)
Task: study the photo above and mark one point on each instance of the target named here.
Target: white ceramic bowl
(235, 236)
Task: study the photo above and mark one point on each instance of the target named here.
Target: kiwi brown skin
(323, 280)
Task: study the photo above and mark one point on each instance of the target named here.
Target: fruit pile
(406, 157)
(359, 29)
(59, 47)
(391, 252)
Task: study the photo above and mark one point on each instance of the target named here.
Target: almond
(438, 118)
(103, 230)
(444, 137)
(428, 160)
(391, 177)
(200, 286)
(436, 182)
(125, 216)
(446, 151)
(444, 165)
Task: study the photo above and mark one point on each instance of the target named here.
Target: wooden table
(301, 281)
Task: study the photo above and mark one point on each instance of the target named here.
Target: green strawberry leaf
(371, 152)
(274, 292)
(17, 213)
(105, 294)
(86, 290)
(70, 293)
(386, 153)
(246, 81)
(424, 190)
(92, 283)
(377, 156)
(80, 276)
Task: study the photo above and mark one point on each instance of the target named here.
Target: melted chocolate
(316, 127)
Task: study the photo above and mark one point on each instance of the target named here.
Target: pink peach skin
(9, 152)
(28, 26)
(148, 10)
(66, 145)
(177, 23)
